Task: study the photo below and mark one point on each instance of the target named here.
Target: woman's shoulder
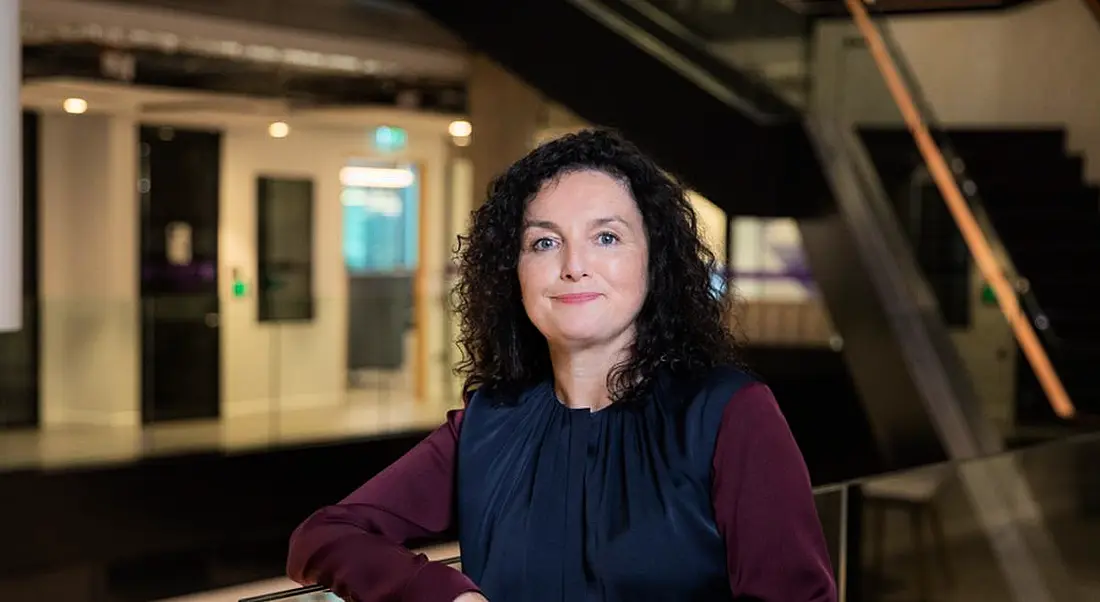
(728, 377)
(715, 388)
(701, 399)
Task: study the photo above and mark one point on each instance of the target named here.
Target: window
(381, 217)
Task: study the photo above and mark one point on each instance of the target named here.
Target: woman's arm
(356, 547)
(764, 506)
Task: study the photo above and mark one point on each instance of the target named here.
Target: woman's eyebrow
(547, 225)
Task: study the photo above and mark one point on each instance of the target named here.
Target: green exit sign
(989, 298)
(390, 139)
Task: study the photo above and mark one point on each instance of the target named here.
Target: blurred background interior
(225, 298)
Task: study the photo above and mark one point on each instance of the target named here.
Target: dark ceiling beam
(374, 19)
(208, 74)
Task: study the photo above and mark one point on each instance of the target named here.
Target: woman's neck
(580, 375)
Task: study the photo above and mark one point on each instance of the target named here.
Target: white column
(506, 115)
(91, 346)
(11, 172)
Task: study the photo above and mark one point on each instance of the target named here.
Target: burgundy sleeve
(764, 506)
(356, 547)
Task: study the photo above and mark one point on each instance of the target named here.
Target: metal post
(11, 172)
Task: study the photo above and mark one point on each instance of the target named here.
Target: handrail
(964, 218)
(287, 594)
(1028, 299)
(306, 590)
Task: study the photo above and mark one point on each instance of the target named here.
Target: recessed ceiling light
(75, 106)
(460, 128)
(278, 129)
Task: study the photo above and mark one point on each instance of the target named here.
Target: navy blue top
(568, 504)
(699, 493)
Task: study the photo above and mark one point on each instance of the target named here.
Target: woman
(610, 448)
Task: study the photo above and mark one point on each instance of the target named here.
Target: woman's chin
(582, 335)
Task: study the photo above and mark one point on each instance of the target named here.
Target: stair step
(989, 170)
(1019, 238)
(1079, 361)
(1018, 142)
(1040, 195)
(1065, 295)
(1057, 256)
(1018, 225)
(1052, 189)
(1075, 326)
(973, 146)
(1078, 383)
(1054, 273)
(1015, 161)
(1083, 389)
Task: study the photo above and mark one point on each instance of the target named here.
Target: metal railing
(310, 590)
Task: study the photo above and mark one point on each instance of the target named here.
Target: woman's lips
(575, 298)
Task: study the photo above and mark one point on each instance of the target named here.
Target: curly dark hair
(682, 325)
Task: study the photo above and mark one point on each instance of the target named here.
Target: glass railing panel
(925, 533)
(922, 533)
(838, 514)
(1067, 495)
(108, 380)
(375, 363)
(922, 539)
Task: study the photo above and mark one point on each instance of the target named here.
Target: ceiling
(161, 47)
(182, 107)
(390, 20)
(129, 25)
(189, 71)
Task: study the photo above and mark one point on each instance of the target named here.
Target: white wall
(89, 250)
(460, 190)
(90, 354)
(712, 225)
(1034, 65)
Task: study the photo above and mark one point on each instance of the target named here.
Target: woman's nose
(573, 264)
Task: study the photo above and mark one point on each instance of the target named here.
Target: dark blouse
(696, 495)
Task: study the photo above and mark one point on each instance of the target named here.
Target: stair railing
(967, 223)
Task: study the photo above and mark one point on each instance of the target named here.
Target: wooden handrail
(964, 218)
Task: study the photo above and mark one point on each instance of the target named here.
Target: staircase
(747, 133)
(1048, 219)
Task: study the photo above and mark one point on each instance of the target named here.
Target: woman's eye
(607, 238)
(543, 244)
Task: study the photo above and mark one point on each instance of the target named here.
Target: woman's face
(583, 260)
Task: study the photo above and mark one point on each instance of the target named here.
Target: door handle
(212, 320)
